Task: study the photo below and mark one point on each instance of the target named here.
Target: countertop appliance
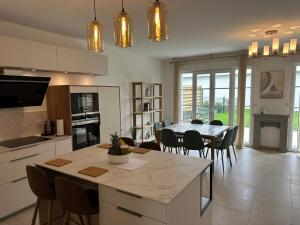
(19, 142)
(22, 91)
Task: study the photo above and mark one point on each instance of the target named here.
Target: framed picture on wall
(271, 84)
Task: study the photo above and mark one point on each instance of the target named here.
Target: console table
(268, 120)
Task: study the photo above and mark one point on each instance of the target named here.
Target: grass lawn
(224, 117)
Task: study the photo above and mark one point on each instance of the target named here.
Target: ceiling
(196, 27)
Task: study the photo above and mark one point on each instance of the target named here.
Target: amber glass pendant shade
(157, 21)
(95, 37)
(123, 30)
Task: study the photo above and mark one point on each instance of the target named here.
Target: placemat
(140, 150)
(107, 146)
(58, 162)
(93, 171)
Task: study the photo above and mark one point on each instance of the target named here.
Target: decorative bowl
(119, 159)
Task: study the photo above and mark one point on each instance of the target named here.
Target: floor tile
(296, 217)
(259, 220)
(227, 216)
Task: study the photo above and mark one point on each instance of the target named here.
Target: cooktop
(18, 142)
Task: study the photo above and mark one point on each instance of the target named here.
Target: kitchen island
(167, 189)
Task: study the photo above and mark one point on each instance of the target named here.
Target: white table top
(161, 179)
(203, 129)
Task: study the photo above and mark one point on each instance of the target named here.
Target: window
(203, 97)
(186, 96)
(295, 134)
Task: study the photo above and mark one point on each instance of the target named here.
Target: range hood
(22, 91)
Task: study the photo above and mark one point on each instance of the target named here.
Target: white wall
(124, 67)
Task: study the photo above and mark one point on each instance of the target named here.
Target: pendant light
(95, 34)
(157, 21)
(123, 29)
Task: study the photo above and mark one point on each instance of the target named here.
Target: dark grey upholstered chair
(41, 186)
(75, 199)
(150, 145)
(166, 123)
(192, 140)
(128, 141)
(196, 122)
(170, 140)
(234, 135)
(216, 122)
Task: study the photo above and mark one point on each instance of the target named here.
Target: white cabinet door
(63, 146)
(27, 54)
(110, 112)
(78, 61)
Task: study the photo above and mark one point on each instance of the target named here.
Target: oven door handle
(76, 124)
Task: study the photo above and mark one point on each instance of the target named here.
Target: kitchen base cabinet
(15, 196)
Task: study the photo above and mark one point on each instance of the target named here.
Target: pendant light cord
(95, 9)
(123, 6)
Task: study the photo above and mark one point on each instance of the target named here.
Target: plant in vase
(118, 152)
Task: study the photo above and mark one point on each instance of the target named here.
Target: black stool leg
(228, 153)
(50, 207)
(222, 160)
(66, 217)
(81, 219)
(234, 152)
(36, 208)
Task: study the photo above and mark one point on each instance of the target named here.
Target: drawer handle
(127, 193)
(25, 157)
(27, 146)
(129, 212)
(17, 180)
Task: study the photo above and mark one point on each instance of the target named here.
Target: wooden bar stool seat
(75, 199)
(41, 186)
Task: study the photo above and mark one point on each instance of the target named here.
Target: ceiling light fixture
(123, 29)
(157, 22)
(95, 34)
(289, 48)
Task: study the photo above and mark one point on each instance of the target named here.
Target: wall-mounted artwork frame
(272, 84)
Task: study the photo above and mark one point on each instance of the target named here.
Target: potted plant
(119, 152)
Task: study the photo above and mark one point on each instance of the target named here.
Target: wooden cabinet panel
(78, 61)
(114, 215)
(27, 54)
(110, 112)
(63, 146)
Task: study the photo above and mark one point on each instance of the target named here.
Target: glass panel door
(203, 97)
(186, 101)
(296, 133)
(222, 97)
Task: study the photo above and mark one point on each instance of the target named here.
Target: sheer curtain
(176, 91)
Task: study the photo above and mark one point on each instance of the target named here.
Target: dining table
(208, 132)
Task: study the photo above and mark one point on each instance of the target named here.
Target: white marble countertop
(51, 139)
(161, 179)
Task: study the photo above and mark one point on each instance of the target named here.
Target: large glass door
(203, 100)
(296, 121)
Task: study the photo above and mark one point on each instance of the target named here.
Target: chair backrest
(192, 140)
(216, 122)
(196, 122)
(235, 130)
(39, 183)
(166, 123)
(150, 145)
(73, 197)
(227, 139)
(168, 138)
(127, 141)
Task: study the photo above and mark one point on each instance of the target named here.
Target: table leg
(212, 153)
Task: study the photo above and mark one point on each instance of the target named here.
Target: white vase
(119, 159)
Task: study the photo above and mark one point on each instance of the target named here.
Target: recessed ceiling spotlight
(288, 32)
(66, 72)
(255, 30)
(267, 36)
(33, 70)
(276, 25)
(294, 27)
(252, 35)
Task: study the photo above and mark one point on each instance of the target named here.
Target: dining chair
(196, 122)
(150, 145)
(127, 141)
(166, 123)
(43, 188)
(216, 123)
(170, 141)
(234, 135)
(192, 140)
(224, 145)
(75, 199)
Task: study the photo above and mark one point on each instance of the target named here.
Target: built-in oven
(84, 103)
(85, 130)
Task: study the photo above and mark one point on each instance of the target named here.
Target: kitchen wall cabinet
(27, 54)
(77, 61)
(110, 112)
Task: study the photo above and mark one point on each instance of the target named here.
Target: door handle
(127, 193)
(129, 212)
(25, 157)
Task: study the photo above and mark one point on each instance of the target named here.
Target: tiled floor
(262, 188)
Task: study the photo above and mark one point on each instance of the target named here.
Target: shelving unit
(144, 116)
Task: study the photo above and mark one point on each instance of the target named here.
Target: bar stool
(75, 199)
(42, 187)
